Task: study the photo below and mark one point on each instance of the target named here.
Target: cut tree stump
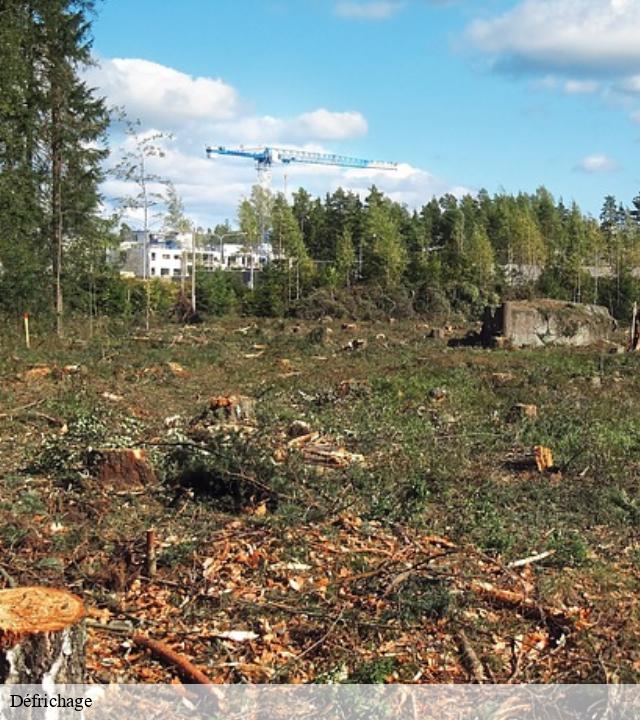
(42, 636)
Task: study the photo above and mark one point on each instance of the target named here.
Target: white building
(171, 256)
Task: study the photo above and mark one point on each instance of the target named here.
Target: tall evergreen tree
(72, 124)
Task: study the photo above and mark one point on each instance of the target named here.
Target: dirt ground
(331, 504)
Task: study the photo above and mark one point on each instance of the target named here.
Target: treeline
(451, 255)
(341, 254)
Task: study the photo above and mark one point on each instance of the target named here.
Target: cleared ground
(392, 568)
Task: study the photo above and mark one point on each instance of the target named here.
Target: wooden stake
(27, 337)
(151, 553)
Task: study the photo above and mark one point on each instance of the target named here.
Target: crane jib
(267, 156)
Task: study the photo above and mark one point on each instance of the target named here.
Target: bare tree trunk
(193, 271)
(56, 212)
(42, 637)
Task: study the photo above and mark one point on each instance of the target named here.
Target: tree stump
(42, 637)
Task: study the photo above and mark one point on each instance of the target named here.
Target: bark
(42, 637)
(56, 209)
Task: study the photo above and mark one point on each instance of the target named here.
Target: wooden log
(42, 636)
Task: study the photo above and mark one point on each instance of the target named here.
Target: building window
(176, 257)
(153, 271)
(176, 272)
(166, 257)
(164, 271)
(153, 256)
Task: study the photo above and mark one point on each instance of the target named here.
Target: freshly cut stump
(42, 636)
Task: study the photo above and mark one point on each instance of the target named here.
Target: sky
(505, 95)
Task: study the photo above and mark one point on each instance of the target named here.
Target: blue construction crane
(266, 157)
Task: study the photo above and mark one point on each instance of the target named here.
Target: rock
(124, 468)
(349, 327)
(521, 411)
(298, 428)
(596, 381)
(538, 323)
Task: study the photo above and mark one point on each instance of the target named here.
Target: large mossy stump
(42, 636)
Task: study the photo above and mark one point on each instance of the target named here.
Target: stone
(538, 323)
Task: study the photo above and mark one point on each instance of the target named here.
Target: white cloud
(161, 95)
(596, 164)
(203, 111)
(326, 125)
(379, 9)
(578, 87)
(369, 10)
(571, 37)
(318, 124)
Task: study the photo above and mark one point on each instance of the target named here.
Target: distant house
(170, 256)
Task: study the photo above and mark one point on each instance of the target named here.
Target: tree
(287, 237)
(23, 251)
(51, 141)
(254, 217)
(386, 256)
(345, 257)
(133, 168)
(74, 123)
(175, 219)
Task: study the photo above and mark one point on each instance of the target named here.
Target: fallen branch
(531, 559)
(186, 668)
(469, 657)
(517, 600)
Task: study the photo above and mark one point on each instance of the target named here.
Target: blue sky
(503, 94)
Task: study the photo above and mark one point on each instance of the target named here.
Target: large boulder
(536, 323)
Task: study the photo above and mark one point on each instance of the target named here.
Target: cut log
(42, 636)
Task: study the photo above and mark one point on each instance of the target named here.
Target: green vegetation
(444, 456)
(343, 255)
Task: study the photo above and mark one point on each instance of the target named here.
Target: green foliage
(375, 672)
(217, 293)
(420, 598)
(270, 297)
(570, 549)
(52, 130)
